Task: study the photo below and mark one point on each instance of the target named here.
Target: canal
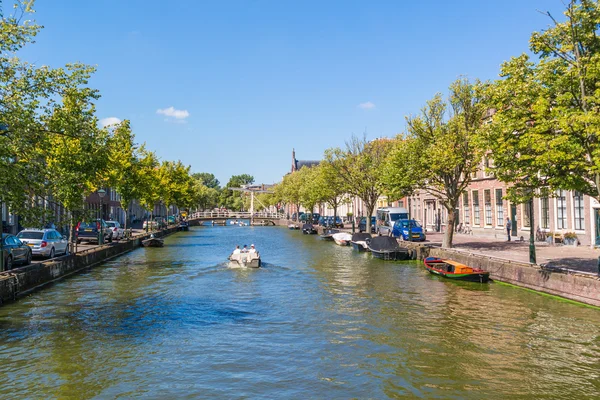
(318, 321)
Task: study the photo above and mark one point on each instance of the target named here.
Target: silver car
(117, 231)
(44, 242)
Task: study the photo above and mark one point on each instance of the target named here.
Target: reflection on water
(317, 321)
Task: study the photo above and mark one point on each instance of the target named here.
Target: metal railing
(235, 215)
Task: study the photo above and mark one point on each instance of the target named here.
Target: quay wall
(577, 286)
(20, 281)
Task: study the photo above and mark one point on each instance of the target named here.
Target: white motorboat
(342, 238)
(245, 260)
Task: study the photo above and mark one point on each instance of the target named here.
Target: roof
(306, 163)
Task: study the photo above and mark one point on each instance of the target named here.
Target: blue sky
(230, 87)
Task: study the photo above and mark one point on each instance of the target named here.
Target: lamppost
(101, 193)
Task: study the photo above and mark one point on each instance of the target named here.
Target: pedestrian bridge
(225, 215)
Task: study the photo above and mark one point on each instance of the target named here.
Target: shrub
(570, 235)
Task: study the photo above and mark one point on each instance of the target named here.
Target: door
(597, 219)
(513, 218)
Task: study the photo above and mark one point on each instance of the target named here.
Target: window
(561, 210)
(476, 220)
(499, 208)
(526, 215)
(578, 211)
(466, 208)
(544, 205)
(488, 207)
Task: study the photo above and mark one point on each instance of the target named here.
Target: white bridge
(224, 215)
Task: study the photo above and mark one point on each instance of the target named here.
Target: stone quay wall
(20, 281)
(581, 287)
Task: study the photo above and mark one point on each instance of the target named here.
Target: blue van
(401, 230)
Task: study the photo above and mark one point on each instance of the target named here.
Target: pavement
(557, 256)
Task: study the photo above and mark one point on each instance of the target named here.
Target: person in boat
(252, 249)
(245, 249)
(237, 250)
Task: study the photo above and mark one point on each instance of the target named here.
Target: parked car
(88, 231)
(316, 217)
(44, 242)
(161, 222)
(149, 224)
(362, 224)
(296, 216)
(117, 230)
(337, 224)
(15, 251)
(171, 219)
(401, 228)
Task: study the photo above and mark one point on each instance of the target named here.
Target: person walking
(508, 227)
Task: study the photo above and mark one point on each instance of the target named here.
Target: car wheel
(51, 253)
(110, 239)
(78, 241)
(9, 262)
(29, 257)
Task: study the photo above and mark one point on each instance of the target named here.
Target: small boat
(360, 241)
(153, 242)
(328, 234)
(183, 226)
(293, 227)
(387, 248)
(245, 260)
(342, 238)
(309, 229)
(455, 270)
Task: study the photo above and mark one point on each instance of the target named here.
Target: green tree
(230, 199)
(328, 185)
(209, 180)
(360, 166)
(446, 149)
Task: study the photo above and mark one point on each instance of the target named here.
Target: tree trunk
(370, 208)
(449, 235)
(532, 256)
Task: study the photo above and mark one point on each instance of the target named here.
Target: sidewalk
(580, 258)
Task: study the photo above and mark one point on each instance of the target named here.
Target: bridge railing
(235, 215)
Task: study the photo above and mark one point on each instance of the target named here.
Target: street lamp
(101, 193)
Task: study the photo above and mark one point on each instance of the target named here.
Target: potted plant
(570, 239)
(549, 237)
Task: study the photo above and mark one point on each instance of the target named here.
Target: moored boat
(387, 248)
(342, 238)
(245, 260)
(293, 227)
(360, 241)
(309, 229)
(183, 226)
(455, 270)
(328, 234)
(153, 242)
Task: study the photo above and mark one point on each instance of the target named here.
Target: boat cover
(384, 243)
(307, 227)
(360, 237)
(342, 236)
(330, 231)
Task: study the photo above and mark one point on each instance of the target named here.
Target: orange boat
(455, 270)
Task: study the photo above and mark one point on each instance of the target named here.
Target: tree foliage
(360, 166)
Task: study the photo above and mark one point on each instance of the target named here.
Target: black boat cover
(307, 227)
(360, 237)
(384, 243)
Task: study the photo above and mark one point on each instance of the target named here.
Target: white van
(386, 217)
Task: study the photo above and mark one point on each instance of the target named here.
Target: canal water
(318, 321)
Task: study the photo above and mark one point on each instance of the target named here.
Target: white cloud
(172, 112)
(109, 121)
(367, 106)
